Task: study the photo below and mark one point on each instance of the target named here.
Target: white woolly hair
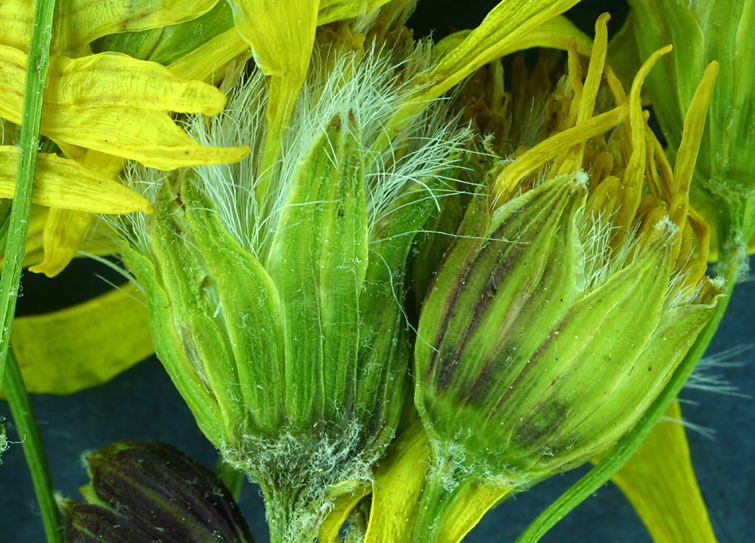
(371, 88)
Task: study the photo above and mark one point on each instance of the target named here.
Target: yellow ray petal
(506, 24)
(208, 62)
(281, 35)
(15, 23)
(66, 184)
(101, 105)
(686, 155)
(469, 510)
(339, 513)
(115, 79)
(64, 230)
(546, 150)
(79, 22)
(107, 79)
(659, 482)
(151, 138)
(397, 488)
(82, 346)
(338, 10)
(555, 34)
(586, 104)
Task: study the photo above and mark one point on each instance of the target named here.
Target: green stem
(232, 478)
(602, 472)
(36, 75)
(31, 443)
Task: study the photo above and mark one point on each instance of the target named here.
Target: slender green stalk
(232, 478)
(36, 75)
(602, 472)
(31, 442)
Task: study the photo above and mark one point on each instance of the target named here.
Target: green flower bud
(565, 303)
(703, 32)
(554, 373)
(275, 296)
(143, 492)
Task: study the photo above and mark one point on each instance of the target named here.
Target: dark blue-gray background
(142, 404)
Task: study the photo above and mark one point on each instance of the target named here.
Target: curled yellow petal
(281, 35)
(397, 488)
(555, 33)
(64, 230)
(82, 346)
(118, 105)
(337, 516)
(80, 22)
(550, 148)
(686, 156)
(589, 93)
(338, 10)
(15, 23)
(505, 25)
(208, 62)
(634, 175)
(66, 184)
(660, 484)
(114, 79)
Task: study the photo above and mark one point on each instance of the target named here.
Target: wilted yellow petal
(397, 488)
(550, 148)
(553, 34)
(33, 249)
(66, 184)
(339, 513)
(506, 24)
(208, 62)
(102, 107)
(114, 79)
(79, 22)
(15, 23)
(107, 79)
(660, 484)
(338, 10)
(82, 346)
(64, 230)
(281, 35)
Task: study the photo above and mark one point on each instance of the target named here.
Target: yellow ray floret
(79, 22)
(281, 35)
(117, 105)
(66, 184)
(63, 233)
(85, 345)
(631, 187)
(511, 21)
(660, 483)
